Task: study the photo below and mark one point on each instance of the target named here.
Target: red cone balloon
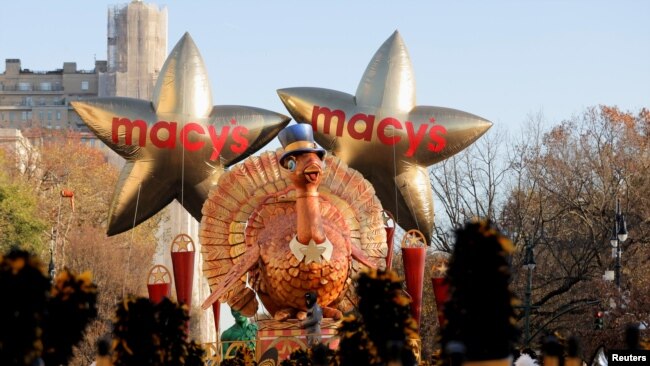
(413, 256)
(183, 263)
(441, 294)
(159, 283)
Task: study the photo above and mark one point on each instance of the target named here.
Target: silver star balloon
(382, 133)
(177, 145)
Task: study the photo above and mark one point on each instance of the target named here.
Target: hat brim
(319, 151)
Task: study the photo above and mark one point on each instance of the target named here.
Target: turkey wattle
(292, 230)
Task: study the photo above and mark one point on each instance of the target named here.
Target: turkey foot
(332, 313)
(284, 314)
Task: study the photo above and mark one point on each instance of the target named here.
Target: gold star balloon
(382, 133)
(177, 145)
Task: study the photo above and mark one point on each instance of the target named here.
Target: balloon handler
(312, 322)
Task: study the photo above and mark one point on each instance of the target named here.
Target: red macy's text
(186, 135)
(436, 140)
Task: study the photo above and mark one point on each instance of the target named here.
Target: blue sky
(501, 60)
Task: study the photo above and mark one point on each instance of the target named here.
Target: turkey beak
(312, 172)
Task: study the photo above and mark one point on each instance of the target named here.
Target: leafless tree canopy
(557, 188)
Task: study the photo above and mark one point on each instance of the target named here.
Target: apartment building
(30, 99)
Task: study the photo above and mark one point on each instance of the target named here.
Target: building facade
(30, 99)
(137, 49)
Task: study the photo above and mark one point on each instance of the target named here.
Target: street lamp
(529, 265)
(619, 235)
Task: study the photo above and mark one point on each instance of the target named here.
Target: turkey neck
(309, 219)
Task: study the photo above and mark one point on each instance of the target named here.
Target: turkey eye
(291, 163)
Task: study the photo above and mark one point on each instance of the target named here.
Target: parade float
(307, 218)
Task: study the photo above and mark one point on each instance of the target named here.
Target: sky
(501, 60)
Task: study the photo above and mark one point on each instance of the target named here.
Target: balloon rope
(181, 213)
(128, 258)
(417, 223)
(394, 178)
(183, 177)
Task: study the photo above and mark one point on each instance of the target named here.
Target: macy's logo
(164, 135)
(366, 123)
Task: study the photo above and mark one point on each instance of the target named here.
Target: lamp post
(619, 235)
(529, 265)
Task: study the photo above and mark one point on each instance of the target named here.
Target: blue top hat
(296, 139)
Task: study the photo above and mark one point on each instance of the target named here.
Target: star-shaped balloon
(382, 133)
(177, 145)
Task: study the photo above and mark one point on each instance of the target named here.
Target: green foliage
(20, 224)
(153, 334)
(480, 310)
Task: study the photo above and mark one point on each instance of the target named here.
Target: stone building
(42, 98)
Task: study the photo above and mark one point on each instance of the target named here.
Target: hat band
(300, 145)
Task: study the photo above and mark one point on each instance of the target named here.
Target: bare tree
(563, 201)
(470, 184)
(556, 189)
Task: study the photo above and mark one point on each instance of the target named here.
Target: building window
(49, 115)
(58, 115)
(11, 116)
(84, 85)
(24, 86)
(41, 115)
(29, 115)
(46, 86)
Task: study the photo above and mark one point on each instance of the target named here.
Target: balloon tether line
(395, 185)
(417, 223)
(183, 177)
(180, 222)
(128, 258)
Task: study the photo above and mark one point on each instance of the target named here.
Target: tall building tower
(137, 49)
